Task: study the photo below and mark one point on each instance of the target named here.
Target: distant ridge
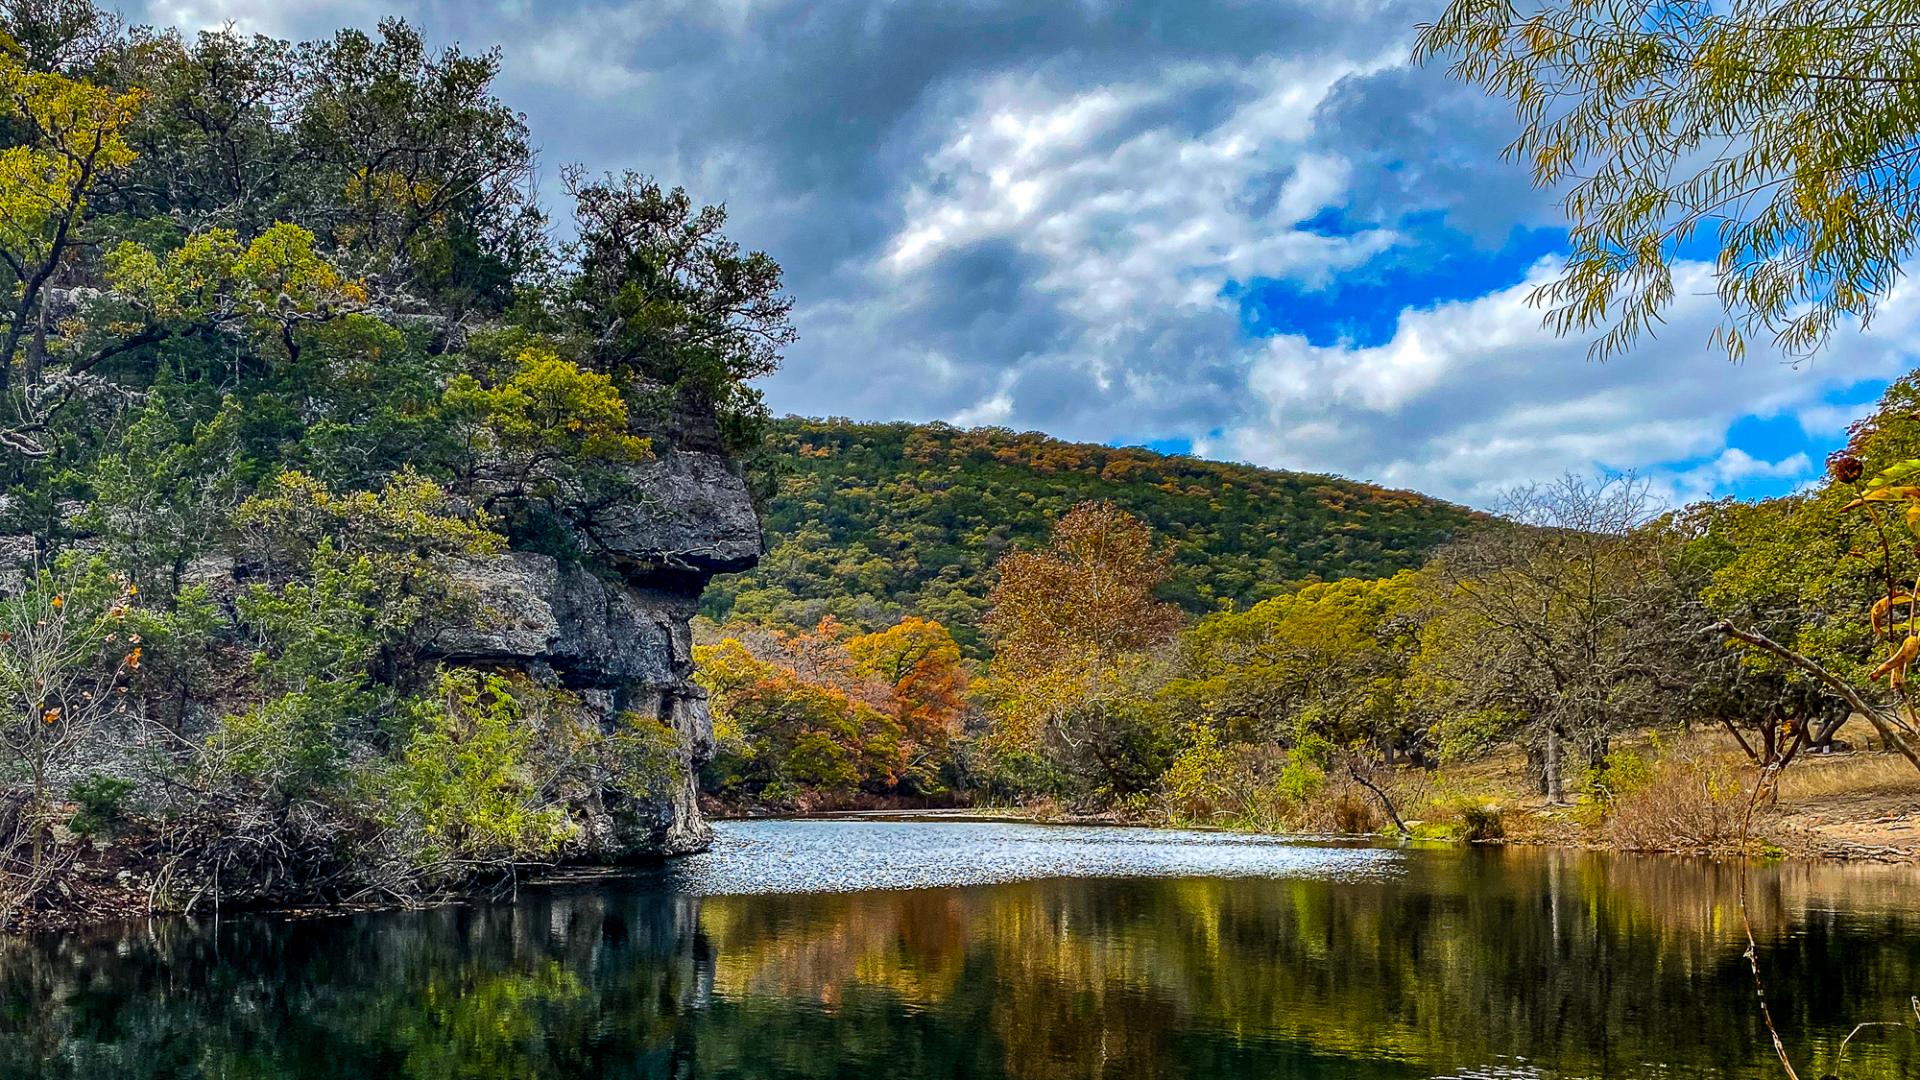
(869, 522)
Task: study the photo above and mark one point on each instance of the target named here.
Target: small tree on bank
(65, 651)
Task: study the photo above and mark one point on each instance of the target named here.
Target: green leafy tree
(66, 135)
(268, 289)
(1322, 672)
(549, 431)
(168, 496)
(418, 162)
(358, 584)
(1811, 589)
(467, 777)
(662, 294)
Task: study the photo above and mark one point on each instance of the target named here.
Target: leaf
(1901, 493)
(1883, 606)
(1897, 471)
(1897, 664)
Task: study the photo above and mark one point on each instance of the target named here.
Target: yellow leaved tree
(68, 135)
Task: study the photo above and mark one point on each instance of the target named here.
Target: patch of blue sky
(1170, 445)
(1773, 441)
(1361, 307)
(1176, 445)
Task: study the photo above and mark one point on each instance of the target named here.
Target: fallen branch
(1385, 802)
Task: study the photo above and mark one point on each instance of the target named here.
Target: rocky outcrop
(692, 517)
(615, 630)
(612, 627)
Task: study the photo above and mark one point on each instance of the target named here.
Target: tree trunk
(1537, 768)
(1385, 802)
(1889, 728)
(1597, 752)
(1551, 768)
(37, 347)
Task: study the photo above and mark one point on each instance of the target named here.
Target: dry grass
(1823, 776)
(1690, 798)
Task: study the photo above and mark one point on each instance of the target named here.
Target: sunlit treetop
(1776, 137)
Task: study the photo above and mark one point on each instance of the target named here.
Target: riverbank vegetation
(1633, 671)
(286, 341)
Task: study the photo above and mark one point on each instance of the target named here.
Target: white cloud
(1471, 398)
(276, 18)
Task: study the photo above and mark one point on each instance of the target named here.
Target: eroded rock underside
(615, 630)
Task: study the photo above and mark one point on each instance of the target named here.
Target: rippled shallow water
(891, 949)
(851, 855)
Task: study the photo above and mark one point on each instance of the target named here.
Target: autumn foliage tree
(792, 722)
(918, 660)
(1072, 626)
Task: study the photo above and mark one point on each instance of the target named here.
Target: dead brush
(1342, 807)
(1693, 802)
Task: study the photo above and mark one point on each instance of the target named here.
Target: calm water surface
(905, 950)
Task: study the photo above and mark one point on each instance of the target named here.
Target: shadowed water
(882, 950)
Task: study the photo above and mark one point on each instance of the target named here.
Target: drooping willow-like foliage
(1778, 137)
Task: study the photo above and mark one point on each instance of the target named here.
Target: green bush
(102, 802)
(1482, 821)
(469, 778)
(1622, 773)
(644, 757)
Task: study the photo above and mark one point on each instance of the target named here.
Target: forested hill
(871, 521)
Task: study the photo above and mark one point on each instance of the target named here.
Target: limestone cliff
(614, 628)
(610, 625)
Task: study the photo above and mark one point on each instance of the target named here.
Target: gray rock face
(694, 515)
(616, 631)
(597, 634)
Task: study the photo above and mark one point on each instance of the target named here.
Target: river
(896, 950)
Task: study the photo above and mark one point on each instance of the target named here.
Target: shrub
(1195, 787)
(1622, 773)
(102, 804)
(1352, 813)
(1694, 803)
(468, 776)
(1482, 821)
(643, 755)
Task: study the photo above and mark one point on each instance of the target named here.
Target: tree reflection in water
(1501, 963)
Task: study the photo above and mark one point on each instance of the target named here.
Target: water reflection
(1362, 964)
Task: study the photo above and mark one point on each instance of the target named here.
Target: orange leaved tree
(1073, 627)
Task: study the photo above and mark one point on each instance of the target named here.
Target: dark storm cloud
(812, 121)
(1421, 141)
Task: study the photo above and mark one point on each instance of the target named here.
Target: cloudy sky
(1245, 230)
